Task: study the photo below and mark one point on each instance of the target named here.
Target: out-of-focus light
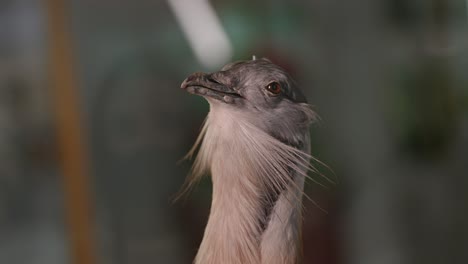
(203, 30)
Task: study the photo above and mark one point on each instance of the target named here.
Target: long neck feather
(257, 190)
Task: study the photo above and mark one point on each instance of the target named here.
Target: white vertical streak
(203, 30)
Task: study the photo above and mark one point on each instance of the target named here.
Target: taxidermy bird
(255, 145)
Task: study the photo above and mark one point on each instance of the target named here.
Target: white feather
(245, 162)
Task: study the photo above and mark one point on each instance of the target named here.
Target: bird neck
(256, 209)
(239, 231)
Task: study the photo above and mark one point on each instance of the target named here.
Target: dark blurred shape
(428, 110)
(403, 14)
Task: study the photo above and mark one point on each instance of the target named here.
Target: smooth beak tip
(184, 84)
(191, 79)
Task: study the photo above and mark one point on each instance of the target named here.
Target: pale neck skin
(243, 227)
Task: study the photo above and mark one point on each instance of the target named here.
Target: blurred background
(93, 123)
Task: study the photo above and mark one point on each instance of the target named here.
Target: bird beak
(204, 84)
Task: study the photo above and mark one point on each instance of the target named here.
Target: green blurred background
(388, 78)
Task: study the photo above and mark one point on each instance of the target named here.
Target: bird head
(258, 92)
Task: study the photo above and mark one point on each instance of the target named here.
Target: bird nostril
(211, 79)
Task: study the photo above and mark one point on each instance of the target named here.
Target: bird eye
(274, 87)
